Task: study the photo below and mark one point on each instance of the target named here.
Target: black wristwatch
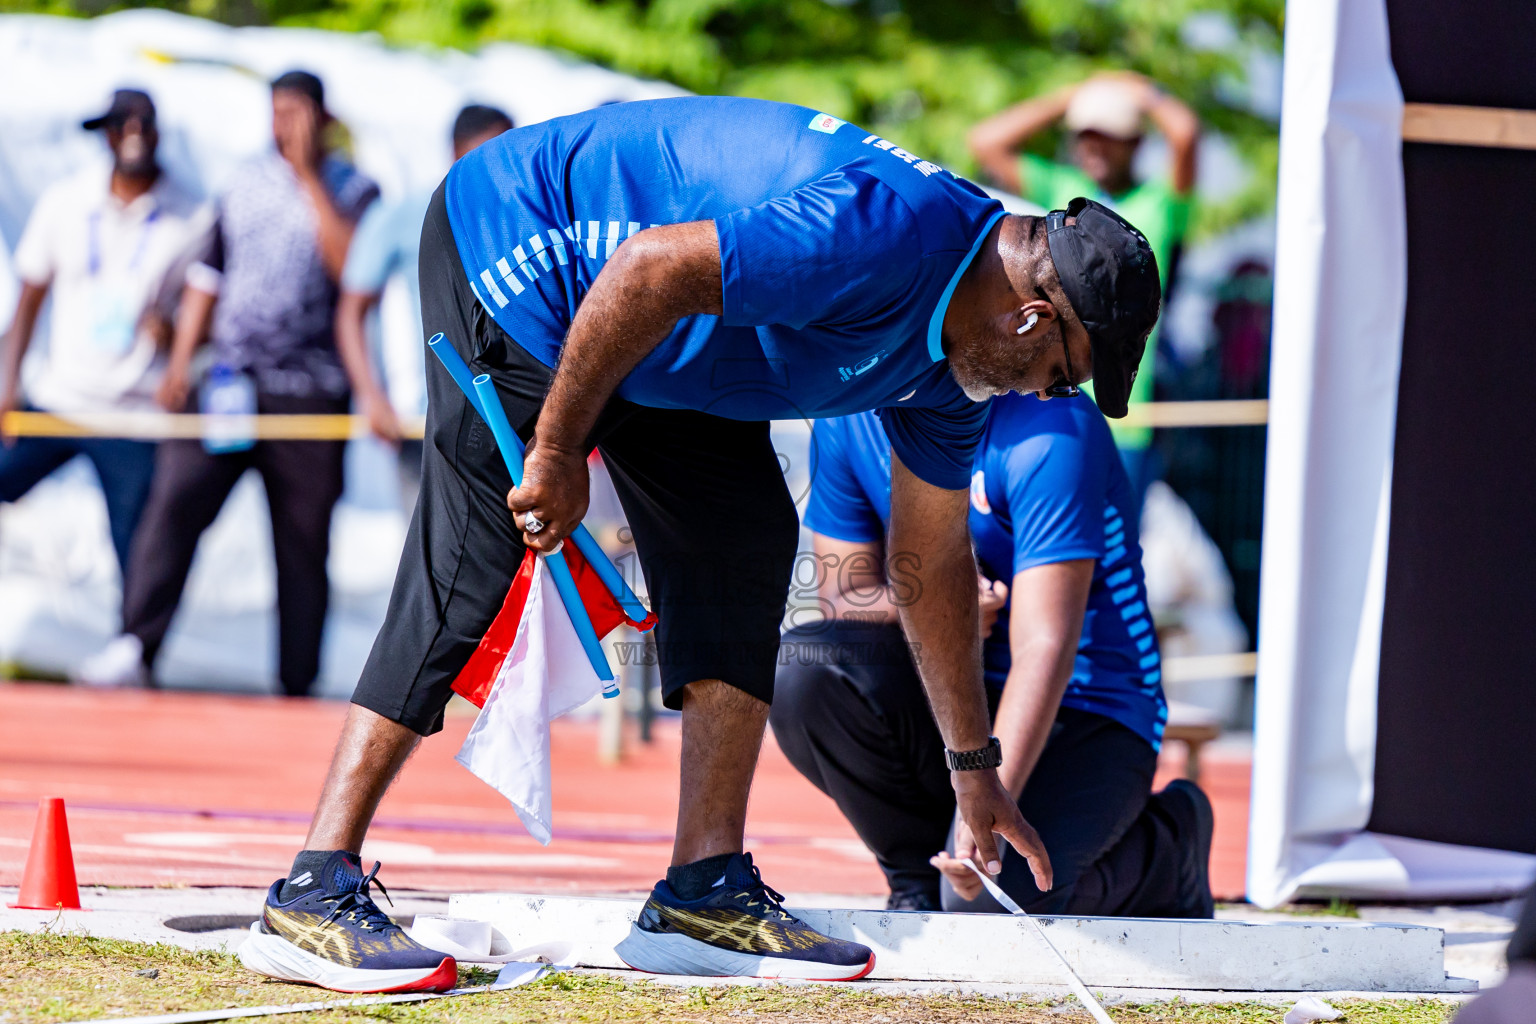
(989, 756)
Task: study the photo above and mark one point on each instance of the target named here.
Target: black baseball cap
(126, 103)
(1109, 274)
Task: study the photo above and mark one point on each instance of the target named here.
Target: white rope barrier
(1250, 412)
(159, 426)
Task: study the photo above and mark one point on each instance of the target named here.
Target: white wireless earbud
(1033, 319)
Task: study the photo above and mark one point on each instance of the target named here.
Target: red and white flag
(529, 669)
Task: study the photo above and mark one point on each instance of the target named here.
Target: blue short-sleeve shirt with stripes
(839, 251)
(1048, 486)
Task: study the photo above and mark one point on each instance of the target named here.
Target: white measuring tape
(512, 975)
(197, 1016)
(1073, 981)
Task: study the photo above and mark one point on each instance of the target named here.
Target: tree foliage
(920, 72)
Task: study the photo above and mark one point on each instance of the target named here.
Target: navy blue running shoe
(739, 929)
(336, 937)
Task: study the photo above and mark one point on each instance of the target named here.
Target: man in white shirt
(102, 244)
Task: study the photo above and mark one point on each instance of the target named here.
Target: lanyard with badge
(117, 300)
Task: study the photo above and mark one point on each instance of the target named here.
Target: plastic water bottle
(230, 395)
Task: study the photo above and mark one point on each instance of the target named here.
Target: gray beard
(978, 393)
(993, 365)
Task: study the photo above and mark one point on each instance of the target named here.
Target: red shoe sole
(441, 980)
(863, 971)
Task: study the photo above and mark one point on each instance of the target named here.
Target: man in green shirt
(1105, 116)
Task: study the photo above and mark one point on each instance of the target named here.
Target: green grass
(1335, 907)
(1340, 908)
(50, 977)
(1356, 1011)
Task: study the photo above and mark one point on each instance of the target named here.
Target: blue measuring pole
(606, 571)
(454, 364)
(585, 542)
(559, 571)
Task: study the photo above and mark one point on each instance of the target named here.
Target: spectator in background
(1242, 318)
(387, 240)
(267, 281)
(1104, 115)
(102, 243)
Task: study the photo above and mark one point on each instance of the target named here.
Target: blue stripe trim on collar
(936, 323)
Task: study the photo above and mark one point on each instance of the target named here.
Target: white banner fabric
(1340, 292)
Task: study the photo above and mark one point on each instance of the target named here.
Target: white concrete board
(1107, 952)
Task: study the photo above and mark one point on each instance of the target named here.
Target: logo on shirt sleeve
(826, 124)
(979, 493)
(923, 167)
(847, 373)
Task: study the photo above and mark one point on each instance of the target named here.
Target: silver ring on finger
(532, 523)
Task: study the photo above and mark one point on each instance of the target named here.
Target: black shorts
(714, 526)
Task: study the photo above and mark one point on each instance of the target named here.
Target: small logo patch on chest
(979, 493)
(826, 124)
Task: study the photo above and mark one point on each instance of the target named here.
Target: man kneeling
(1072, 670)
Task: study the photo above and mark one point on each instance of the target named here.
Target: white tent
(1340, 294)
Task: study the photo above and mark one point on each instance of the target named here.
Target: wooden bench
(1194, 727)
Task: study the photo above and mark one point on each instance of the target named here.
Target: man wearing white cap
(1105, 117)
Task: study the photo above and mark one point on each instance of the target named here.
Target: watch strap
(989, 756)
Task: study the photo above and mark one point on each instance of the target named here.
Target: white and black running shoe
(336, 937)
(739, 929)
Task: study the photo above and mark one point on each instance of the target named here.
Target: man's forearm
(996, 142)
(333, 232)
(929, 525)
(1027, 712)
(192, 318)
(878, 606)
(352, 341)
(1045, 625)
(854, 586)
(654, 279)
(1181, 127)
(1022, 121)
(19, 337)
(941, 624)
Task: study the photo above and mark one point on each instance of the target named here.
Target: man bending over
(659, 280)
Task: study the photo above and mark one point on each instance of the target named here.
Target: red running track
(201, 790)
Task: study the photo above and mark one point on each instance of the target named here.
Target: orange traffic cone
(49, 881)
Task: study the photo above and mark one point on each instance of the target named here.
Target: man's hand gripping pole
(481, 394)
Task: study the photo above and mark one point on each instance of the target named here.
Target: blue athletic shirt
(1048, 486)
(839, 252)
